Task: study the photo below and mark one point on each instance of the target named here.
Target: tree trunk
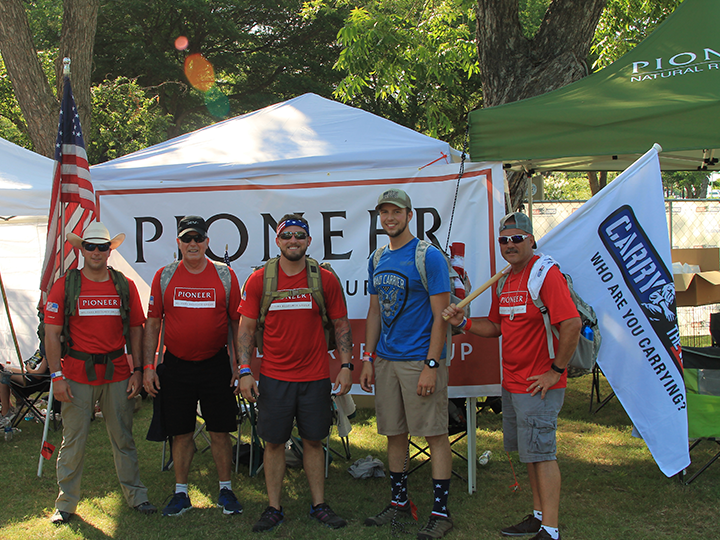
(597, 182)
(38, 104)
(514, 67)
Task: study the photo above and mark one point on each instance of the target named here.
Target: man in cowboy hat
(102, 316)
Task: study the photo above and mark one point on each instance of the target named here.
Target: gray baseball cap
(394, 196)
(519, 221)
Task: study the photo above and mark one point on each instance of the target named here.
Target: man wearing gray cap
(405, 341)
(97, 312)
(198, 300)
(533, 383)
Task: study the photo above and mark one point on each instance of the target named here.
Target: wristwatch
(432, 363)
(349, 365)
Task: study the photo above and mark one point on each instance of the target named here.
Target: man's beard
(398, 231)
(294, 255)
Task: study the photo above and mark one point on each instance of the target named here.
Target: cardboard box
(701, 288)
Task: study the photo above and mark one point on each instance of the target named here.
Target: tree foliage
(414, 63)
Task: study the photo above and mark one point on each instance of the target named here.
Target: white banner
(343, 225)
(617, 249)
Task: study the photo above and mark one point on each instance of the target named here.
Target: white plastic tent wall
(25, 184)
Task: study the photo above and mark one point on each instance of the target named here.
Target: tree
(413, 63)
(37, 101)
(686, 185)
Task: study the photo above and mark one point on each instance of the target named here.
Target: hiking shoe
(146, 508)
(179, 504)
(529, 525)
(387, 515)
(60, 517)
(436, 527)
(270, 517)
(228, 502)
(544, 535)
(324, 514)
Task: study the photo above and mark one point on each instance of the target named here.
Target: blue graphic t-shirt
(404, 304)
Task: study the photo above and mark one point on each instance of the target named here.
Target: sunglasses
(99, 247)
(187, 238)
(515, 239)
(287, 235)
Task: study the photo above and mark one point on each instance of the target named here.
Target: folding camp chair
(595, 391)
(254, 448)
(29, 398)
(702, 391)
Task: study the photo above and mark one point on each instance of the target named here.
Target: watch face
(432, 363)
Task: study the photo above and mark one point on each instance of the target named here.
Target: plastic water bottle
(8, 432)
(484, 457)
(587, 333)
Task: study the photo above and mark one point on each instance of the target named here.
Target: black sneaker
(529, 525)
(269, 519)
(60, 517)
(543, 535)
(437, 527)
(388, 514)
(324, 514)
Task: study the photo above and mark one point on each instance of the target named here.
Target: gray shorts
(398, 407)
(530, 424)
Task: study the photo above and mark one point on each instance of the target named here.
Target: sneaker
(269, 519)
(60, 517)
(146, 508)
(229, 503)
(529, 525)
(543, 535)
(179, 503)
(388, 514)
(436, 527)
(324, 514)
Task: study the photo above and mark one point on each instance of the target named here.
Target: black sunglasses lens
(517, 238)
(287, 235)
(190, 237)
(502, 240)
(100, 247)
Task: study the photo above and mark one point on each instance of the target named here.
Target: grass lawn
(612, 488)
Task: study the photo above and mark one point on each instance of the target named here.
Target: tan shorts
(398, 407)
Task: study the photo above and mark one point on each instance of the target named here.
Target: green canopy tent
(666, 90)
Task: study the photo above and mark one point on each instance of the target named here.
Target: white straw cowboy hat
(96, 233)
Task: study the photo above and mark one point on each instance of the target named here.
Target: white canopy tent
(25, 184)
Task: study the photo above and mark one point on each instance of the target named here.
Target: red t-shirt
(196, 314)
(524, 339)
(294, 347)
(96, 327)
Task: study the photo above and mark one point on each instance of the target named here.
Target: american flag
(71, 187)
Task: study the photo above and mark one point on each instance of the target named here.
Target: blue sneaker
(229, 503)
(179, 504)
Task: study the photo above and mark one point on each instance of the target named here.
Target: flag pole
(12, 328)
(49, 410)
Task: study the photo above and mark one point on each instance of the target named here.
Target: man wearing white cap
(89, 366)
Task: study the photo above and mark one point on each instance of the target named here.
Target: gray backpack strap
(224, 273)
(420, 253)
(549, 330)
(167, 273)
(377, 254)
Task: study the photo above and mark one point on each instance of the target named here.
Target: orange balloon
(200, 72)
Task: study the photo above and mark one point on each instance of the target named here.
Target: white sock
(537, 514)
(181, 488)
(552, 531)
(226, 485)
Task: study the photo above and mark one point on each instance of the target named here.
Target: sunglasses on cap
(287, 235)
(99, 247)
(515, 239)
(187, 238)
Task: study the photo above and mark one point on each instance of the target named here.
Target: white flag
(617, 250)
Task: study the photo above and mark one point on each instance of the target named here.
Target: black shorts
(281, 402)
(184, 383)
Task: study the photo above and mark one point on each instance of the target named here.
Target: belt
(92, 359)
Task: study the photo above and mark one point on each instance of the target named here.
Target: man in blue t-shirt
(405, 339)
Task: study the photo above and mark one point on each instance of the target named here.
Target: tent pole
(12, 327)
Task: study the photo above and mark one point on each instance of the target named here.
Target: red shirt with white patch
(96, 327)
(524, 339)
(294, 347)
(196, 314)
